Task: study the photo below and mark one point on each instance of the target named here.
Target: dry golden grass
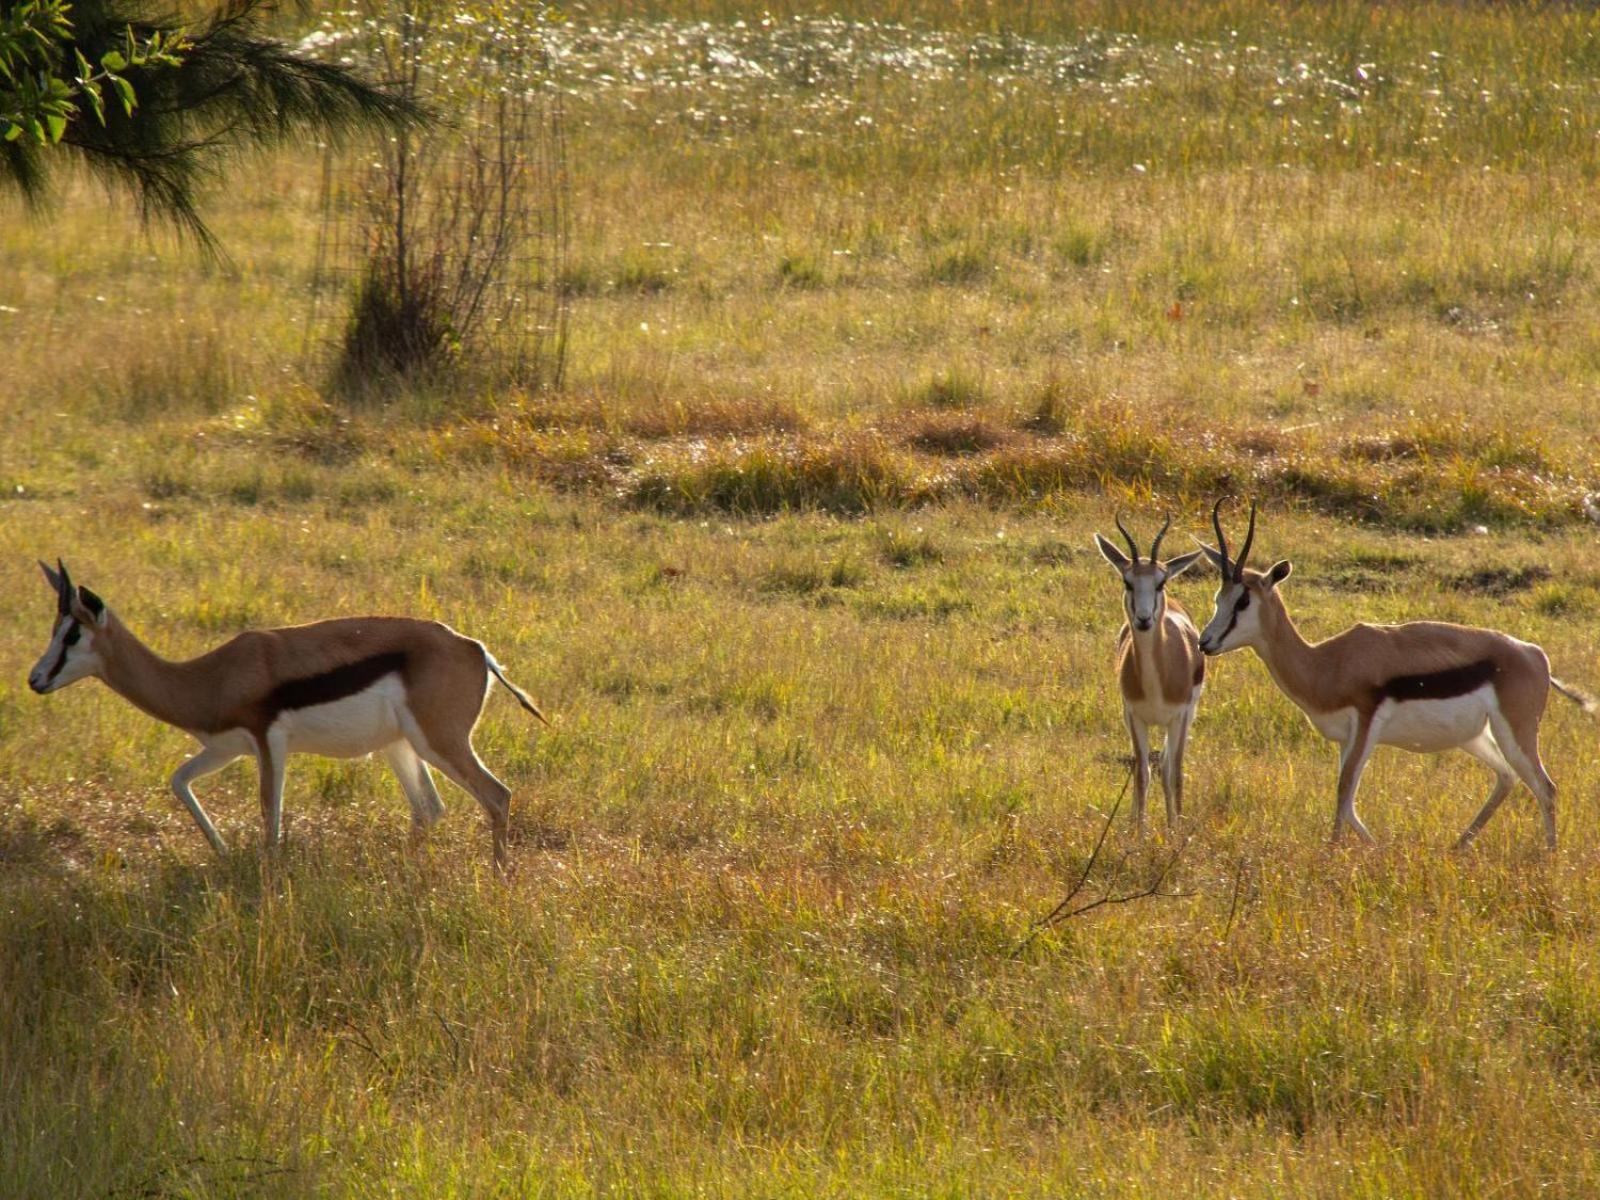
(800, 563)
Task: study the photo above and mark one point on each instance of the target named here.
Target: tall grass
(771, 869)
(876, 319)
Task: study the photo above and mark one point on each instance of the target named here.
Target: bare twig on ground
(1065, 911)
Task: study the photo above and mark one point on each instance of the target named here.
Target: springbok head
(1243, 592)
(80, 623)
(1144, 581)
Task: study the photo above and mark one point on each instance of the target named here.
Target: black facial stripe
(1439, 685)
(1233, 619)
(332, 685)
(69, 640)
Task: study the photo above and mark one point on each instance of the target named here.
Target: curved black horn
(1250, 536)
(1155, 546)
(64, 594)
(1222, 542)
(1127, 537)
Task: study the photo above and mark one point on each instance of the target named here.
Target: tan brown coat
(1425, 686)
(344, 688)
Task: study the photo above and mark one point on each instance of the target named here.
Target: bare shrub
(448, 243)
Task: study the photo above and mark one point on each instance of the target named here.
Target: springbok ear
(1279, 572)
(1215, 556)
(1177, 566)
(89, 609)
(1115, 557)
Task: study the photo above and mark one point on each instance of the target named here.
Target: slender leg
(1484, 749)
(1172, 764)
(412, 772)
(209, 761)
(272, 751)
(1352, 759)
(1522, 752)
(461, 765)
(1140, 733)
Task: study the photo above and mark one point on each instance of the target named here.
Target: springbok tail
(522, 697)
(1578, 696)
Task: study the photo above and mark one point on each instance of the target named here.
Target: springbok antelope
(1159, 665)
(341, 688)
(1425, 686)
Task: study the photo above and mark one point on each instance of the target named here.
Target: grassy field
(874, 325)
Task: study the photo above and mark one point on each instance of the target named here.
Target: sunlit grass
(800, 563)
(771, 868)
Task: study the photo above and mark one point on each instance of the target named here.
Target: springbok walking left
(1425, 686)
(341, 688)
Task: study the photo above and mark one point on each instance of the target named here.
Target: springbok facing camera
(1159, 665)
(340, 688)
(1425, 686)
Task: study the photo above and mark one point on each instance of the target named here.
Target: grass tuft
(908, 549)
(960, 266)
(955, 434)
(851, 476)
(954, 388)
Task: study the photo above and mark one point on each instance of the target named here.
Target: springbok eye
(72, 636)
(1244, 602)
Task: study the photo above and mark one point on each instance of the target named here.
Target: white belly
(236, 742)
(1152, 710)
(348, 728)
(1337, 726)
(1427, 725)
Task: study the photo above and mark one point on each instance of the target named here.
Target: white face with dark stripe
(1237, 619)
(69, 657)
(1144, 583)
(80, 617)
(1144, 596)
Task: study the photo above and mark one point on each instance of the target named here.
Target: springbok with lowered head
(1425, 686)
(342, 688)
(1159, 665)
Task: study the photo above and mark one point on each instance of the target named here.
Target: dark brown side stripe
(1439, 685)
(332, 685)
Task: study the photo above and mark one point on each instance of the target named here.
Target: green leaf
(13, 132)
(124, 93)
(112, 60)
(57, 124)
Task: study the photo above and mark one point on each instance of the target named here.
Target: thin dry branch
(1241, 873)
(1065, 911)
